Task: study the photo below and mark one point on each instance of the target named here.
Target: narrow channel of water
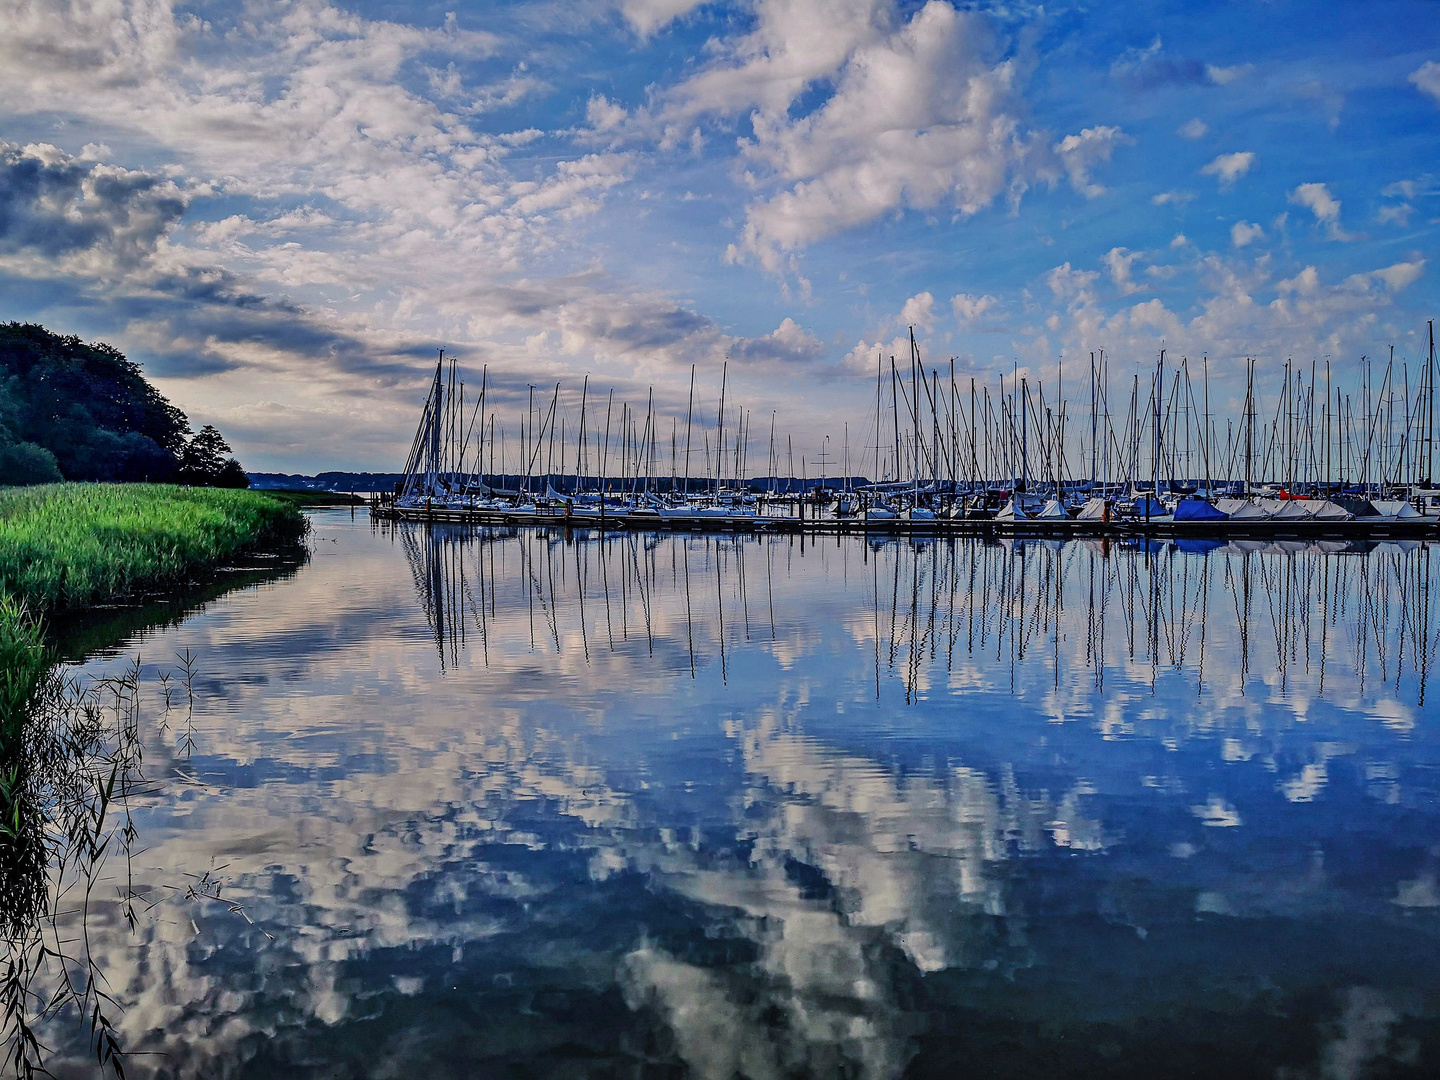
(495, 803)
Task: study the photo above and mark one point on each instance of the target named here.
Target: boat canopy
(1198, 510)
(1054, 510)
(1242, 510)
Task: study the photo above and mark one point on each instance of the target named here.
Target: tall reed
(73, 545)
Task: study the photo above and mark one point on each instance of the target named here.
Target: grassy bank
(64, 547)
(67, 546)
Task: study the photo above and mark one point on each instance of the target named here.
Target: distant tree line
(76, 411)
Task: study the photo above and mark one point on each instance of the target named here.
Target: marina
(1341, 465)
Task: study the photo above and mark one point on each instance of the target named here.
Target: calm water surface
(500, 803)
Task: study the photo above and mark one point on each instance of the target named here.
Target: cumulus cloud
(602, 114)
(95, 218)
(919, 310)
(1081, 153)
(1067, 283)
(1119, 261)
(1317, 199)
(1394, 214)
(788, 344)
(922, 115)
(1172, 198)
(1227, 316)
(649, 16)
(1193, 129)
(1427, 79)
(1229, 167)
(1398, 275)
(1305, 283)
(1243, 233)
(1224, 76)
(970, 308)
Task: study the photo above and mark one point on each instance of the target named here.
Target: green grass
(69, 546)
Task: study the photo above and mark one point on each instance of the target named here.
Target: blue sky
(283, 209)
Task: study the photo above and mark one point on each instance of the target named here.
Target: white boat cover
(1395, 508)
(1054, 511)
(1327, 510)
(1011, 512)
(1093, 510)
(1288, 509)
(1242, 509)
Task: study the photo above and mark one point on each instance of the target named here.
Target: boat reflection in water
(631, 805)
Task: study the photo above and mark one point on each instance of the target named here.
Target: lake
(464, 802)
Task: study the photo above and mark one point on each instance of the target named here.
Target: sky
(282, 210)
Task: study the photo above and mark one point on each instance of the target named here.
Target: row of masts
(1158, 433)
(1124, 608)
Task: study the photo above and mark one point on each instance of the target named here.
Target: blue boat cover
(1198, 510)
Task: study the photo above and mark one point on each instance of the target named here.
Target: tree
(26, 463)
(232, 476)
(204, 457)
(88, 405)
(85, 412)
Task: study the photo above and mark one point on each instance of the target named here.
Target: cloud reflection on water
(638, 794)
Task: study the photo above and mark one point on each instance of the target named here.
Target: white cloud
(969, 308)
(1193, 129)
(794, 43)
(1118, 261)
(1070, 284)
(1317, 199)
(648, 16)
(920, 117)
(1229, 167)
(1305, 283)
(1401, 274)
(1224, 76)
(1154, 315)
(789, 343)
(1427, 79)
(1180, 240)
(1395, 214)
(1172, 198)
(602, 114)
(919, 310)
(1242, 233)
(1080, 153)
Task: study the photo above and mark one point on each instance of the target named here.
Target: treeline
(76, 411)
